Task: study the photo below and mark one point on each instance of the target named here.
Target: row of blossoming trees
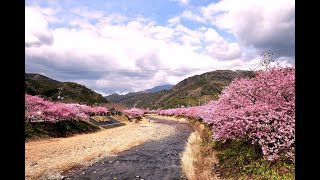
(39, 109)
(259, 110)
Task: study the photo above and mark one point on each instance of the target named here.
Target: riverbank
(46, 159)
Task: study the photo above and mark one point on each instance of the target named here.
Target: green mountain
(192, 91)
(159, 88)
(36, 84)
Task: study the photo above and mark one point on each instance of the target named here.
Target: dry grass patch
(123, 119)
(199, 158)
(100, 118)
(188, 156)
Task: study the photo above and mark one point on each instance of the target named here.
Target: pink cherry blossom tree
(133, 112)
(39, 109)
(261, 110)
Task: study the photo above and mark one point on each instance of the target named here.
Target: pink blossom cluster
(167, 112)
(192, 112)
(39, 109)
(147, 111)
(98, 110)
(174, 111)
(133, 112)
(261, 110)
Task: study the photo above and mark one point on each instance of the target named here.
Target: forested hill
(36, 84)
(192, 91)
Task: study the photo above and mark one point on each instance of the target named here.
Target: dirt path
(158, 159)
(46, 159)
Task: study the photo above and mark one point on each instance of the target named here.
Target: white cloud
(87, 13)
(187, 14)
(161, 32)
(218, 48)
(37, 32)
(174, 21)
(113, 19)
(265, 24)
(104, 53)
(182, 2)
(122, 54)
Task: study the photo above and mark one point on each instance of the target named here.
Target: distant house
(114, 111)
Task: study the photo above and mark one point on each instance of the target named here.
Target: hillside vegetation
(159, 88)
(191, 91)
(36, 84)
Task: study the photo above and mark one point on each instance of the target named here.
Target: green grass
(242, 160)
(41, 130)
(239, 159)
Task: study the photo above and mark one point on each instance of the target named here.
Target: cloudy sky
(120, 46)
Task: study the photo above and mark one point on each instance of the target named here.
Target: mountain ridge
(194, 90)
(159, 88)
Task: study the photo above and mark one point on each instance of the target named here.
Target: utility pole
(266, 59)
(134, 106)
(60, 89)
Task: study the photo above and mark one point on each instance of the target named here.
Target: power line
(265, 60)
